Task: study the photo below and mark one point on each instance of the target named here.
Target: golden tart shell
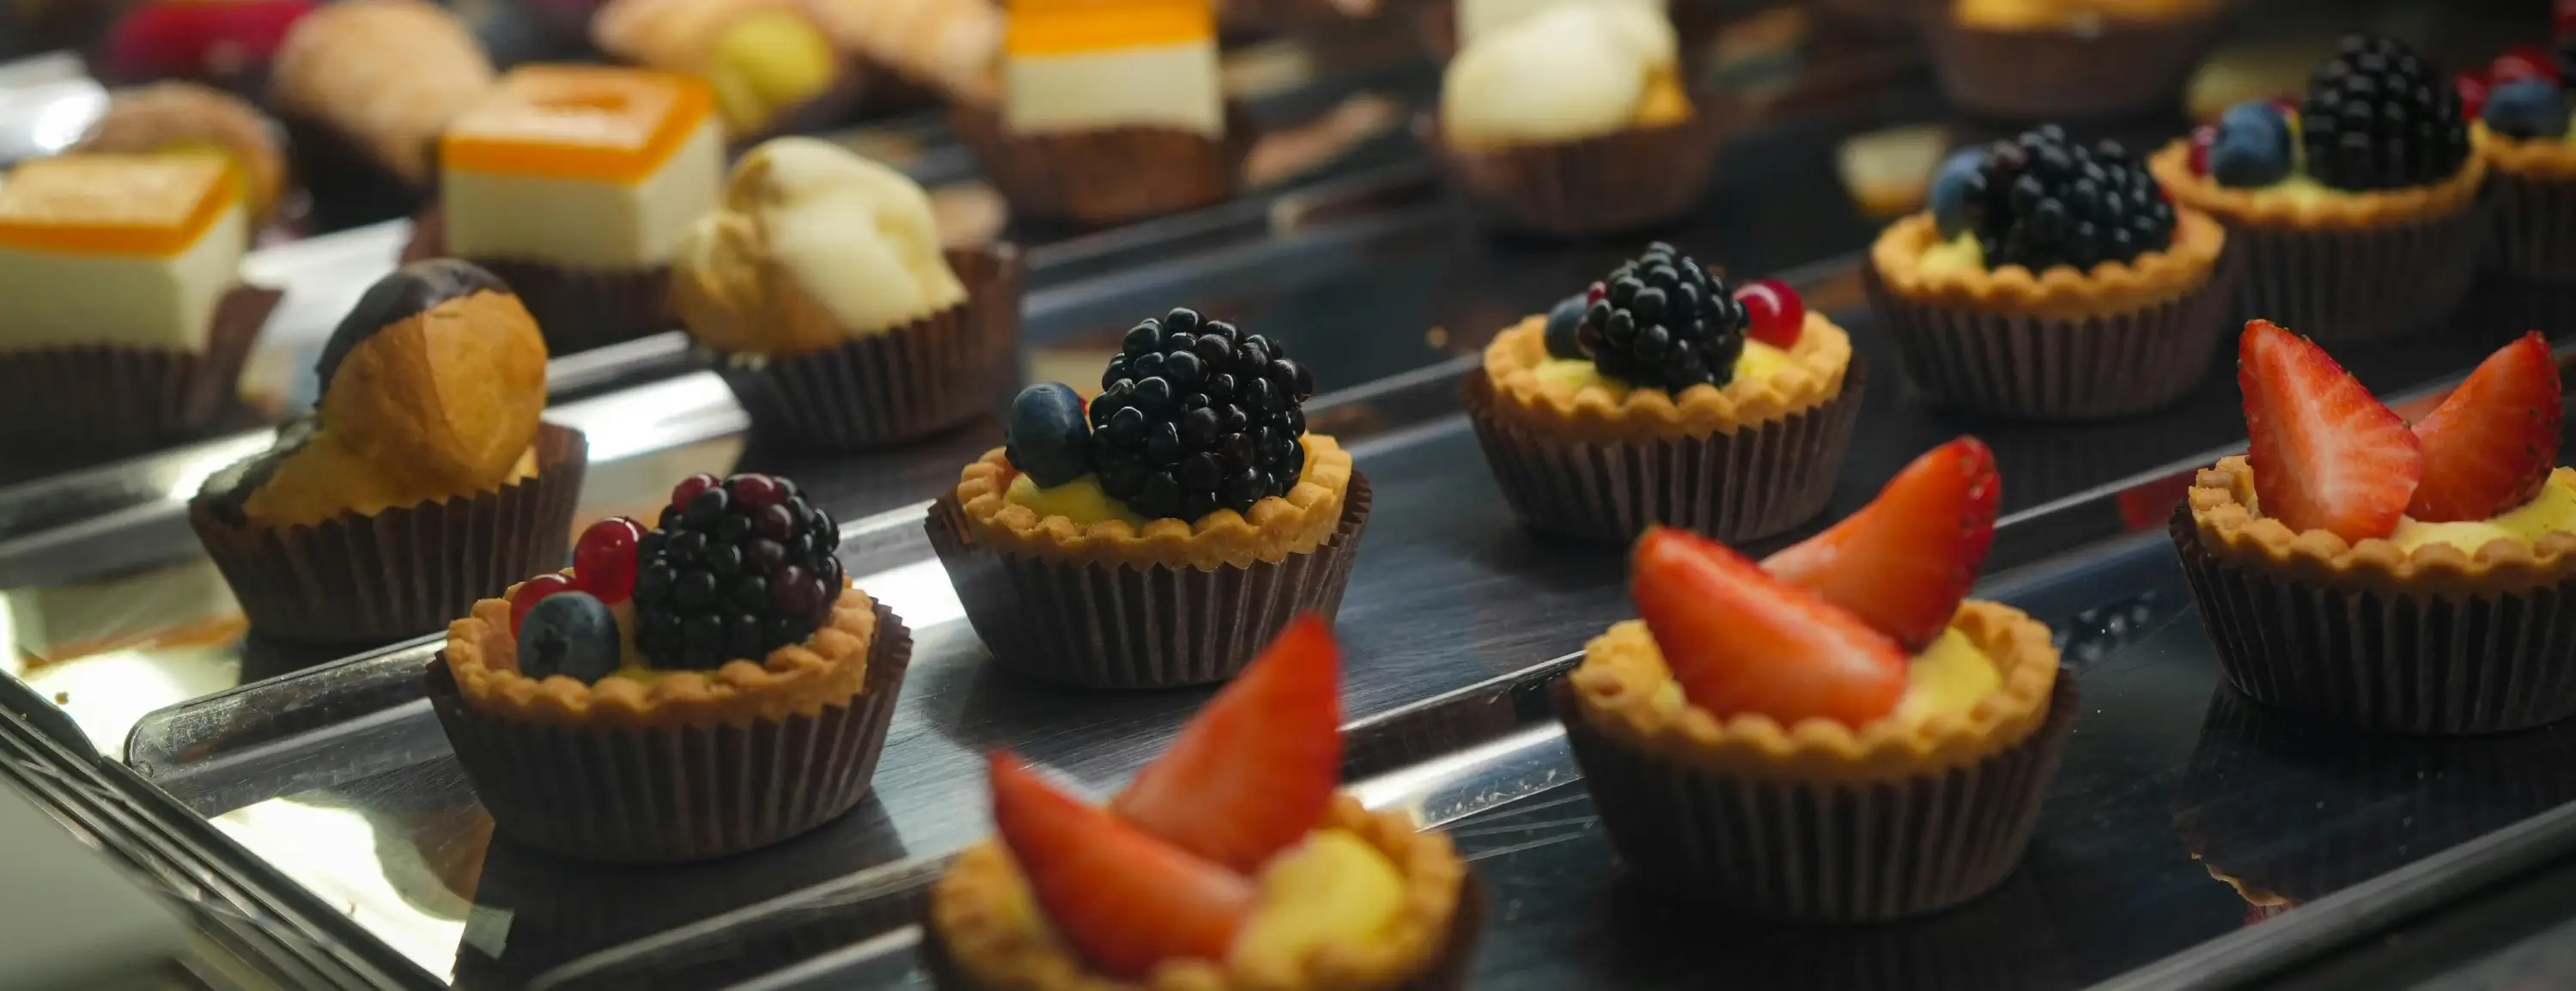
(997, 938)
(1622, 669)
(2350, 211)
(829, 668)
(1818, 363)
(2219, 497)
(2553, 158)
(2154, 278)
(1277, 526)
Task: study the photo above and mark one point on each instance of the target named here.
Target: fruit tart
(1661, 396)
(2052, 279)
(1161, 533)
(705, 687)
(835, 315)
(1230, 862)
(2524, 134)
(2396, 578)
(1734, 735)
(422, 480)
(2070, 59)
(2356, 210)
(1573, 120)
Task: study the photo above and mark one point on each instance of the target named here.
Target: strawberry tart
(2395, 577)
(1231, 862)
(1734, 735)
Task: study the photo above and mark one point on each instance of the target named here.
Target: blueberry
(571, 634)
(1048, 437)
(2528, 108)
(1562, 322)
(2253, 146)
(1950, 197)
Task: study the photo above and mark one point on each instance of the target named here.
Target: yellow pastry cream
(1759, 361)
(1082, 501)
(1332, 890)
(2033, 15)
(2552, 511)
(1948, 678)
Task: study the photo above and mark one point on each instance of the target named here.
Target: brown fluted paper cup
(1449, 972)
(1113, 625)
(2002, 363)
(2338, 286)
(94, 397)
(1819, 851)
(912, 381)
(2122, 68)
(1109, 176)
(2430, 663)
(2535, 227)
(1635, 178)
(1764, 479)
(577, 309)
(350, 186)
(402, 572)
(667, 794)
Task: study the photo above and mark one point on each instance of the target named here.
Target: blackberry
(738, 568)
(1664, 322)
(2041, 200)
(1196, 415)
(2378, 117)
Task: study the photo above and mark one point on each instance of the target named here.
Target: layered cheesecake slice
(581, 166)
(124, 250)
(1080, 65)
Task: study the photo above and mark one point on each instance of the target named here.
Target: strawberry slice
(2326, 454)
(2491, 445)
(1125, 900)
(1253, 771)
(1905, 560)
(1739, 640)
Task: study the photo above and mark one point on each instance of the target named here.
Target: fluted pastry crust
(1817, 365)
(389, 74)
(2553, 158)
(154, 117)
(2154, 278)
(996, 936)
(1277, 527)
(2220, 496)
(829, 668)
(2346, 210)
(1623, 668)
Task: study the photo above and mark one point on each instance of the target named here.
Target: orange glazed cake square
(130, 250)
(581, 166)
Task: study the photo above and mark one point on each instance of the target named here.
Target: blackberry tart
(1661, 395)
(1161, 533)
(2052, 279)
(704, 687)
(2527, 133)
(836, 316)
(2357, 211)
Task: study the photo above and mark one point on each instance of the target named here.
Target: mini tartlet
(1230, 862)
(364, 87)
(1574, 121)
(1159, 534)
(1738, 453)
(124, 322)
(2399, 579)
(2070, 59)
(2527, 135)
(1992, 317)
(2349, 241)
(1109, 111)
(702, 688)
(1755, 707)
(835, 315)
(422, 481)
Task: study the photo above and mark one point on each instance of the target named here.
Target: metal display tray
(340, 777)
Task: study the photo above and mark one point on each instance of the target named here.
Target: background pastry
(184, 118)
(2067, 59)
(364, 87)
(761, 57)
(227, 43)
(952, 45)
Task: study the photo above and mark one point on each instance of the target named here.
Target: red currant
(2473, 89)
(533, 590)
(605, 559)
(1774, 311)
(1593, 295)
(754, 491)
(2562, 18)
(2522, 62)
(690, 487)
(2201, 138)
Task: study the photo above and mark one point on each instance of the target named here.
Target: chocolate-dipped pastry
(431, 388)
